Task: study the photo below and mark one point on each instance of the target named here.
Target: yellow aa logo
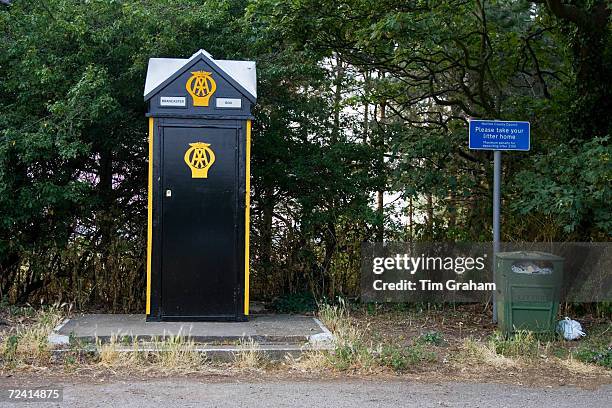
(201, 86)
(199, 157)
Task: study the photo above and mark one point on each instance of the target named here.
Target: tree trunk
(381, 192)
(337, 99)
(105, 222)
(267, 210)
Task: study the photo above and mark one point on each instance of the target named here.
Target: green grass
(523, 343)
(12, 310)
(596, 347)
(355, 350)
(598, 356)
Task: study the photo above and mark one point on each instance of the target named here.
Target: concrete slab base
(216, 353)
(125, 328)
(273, 335)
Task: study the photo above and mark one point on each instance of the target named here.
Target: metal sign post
(496, 212)
(498, 136)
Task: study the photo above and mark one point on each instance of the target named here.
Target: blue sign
(499, 135)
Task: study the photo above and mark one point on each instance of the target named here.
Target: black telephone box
(199, 113)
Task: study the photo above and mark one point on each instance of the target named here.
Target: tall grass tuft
(28, 343)
(249, 354)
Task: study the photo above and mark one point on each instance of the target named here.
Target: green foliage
(356, 99)
(601, 356)
(433, 337)
(435, 69)
(302, 302)
(596, 348)
(522, 343)
(401, 358)
(9, 354)
(73, 149)
(576, 195)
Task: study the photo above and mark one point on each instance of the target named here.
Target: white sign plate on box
(229, 103)
(172, 101)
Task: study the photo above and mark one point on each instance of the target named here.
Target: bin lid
(529, 256)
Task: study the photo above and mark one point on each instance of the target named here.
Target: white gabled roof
(161, 69)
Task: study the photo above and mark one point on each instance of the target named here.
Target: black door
(199, 213)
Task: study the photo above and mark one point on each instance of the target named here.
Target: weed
(249, 354)
(394, 357)
(335, 317)
(9, 354)
(177, 352)
(352, 350)
(70, 361)
(599, 356)
(433, 337)
(522, 344)
(357, 351)
(371, 309)
(596, 347)
(400, 358)
(173, 353)
(108, 352)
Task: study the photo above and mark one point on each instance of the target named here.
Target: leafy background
(360, 132)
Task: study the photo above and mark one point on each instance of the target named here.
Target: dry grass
(309, 361)
(115, 354)
(472, 351)
(249, 355)
(577, 367)
(27, 344)
(335, 317)
(108, 353)
(381, 344)
(174, 353)
(178, 352)
(353, 350)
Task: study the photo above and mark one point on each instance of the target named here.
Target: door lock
(168, 193)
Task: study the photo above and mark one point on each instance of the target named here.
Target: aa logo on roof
(201, 86)
(199, 157)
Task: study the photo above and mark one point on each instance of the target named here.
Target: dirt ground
(545, 375)
(475, 322)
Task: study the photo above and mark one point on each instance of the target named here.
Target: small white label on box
(229, 103)
(172, 101)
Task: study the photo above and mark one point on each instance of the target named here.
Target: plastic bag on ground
(570, 329)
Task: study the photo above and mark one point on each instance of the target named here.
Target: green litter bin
(528, 285)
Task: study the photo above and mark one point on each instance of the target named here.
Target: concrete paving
(265, 329)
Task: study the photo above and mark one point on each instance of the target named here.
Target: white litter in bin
(530, 268)
(570, 329)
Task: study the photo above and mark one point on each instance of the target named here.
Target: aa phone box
(199, 112)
